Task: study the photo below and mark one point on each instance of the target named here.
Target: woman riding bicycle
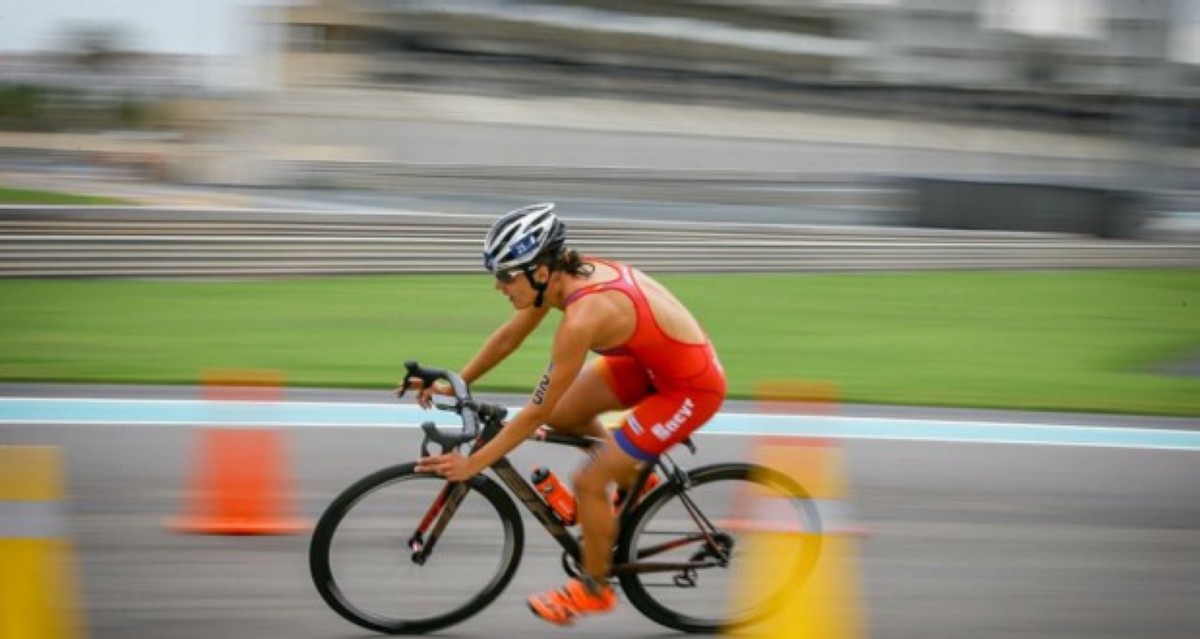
(654, 358)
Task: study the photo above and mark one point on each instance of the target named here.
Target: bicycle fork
(438, 515)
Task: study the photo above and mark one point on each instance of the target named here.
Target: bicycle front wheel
(686, 546)
(365, 568)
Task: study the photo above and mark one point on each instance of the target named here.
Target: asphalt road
(965, 540)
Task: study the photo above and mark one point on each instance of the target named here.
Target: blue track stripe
(955, 431)
(201, 413)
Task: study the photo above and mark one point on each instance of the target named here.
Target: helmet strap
(540, 287)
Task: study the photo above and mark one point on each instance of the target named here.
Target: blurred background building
(323, 86)
(1011, 44)
(1063, 62)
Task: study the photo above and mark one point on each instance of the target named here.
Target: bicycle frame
(451, 496)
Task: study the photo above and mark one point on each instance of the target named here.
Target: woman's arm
(499, 345)
(571, 343)
(502, 342)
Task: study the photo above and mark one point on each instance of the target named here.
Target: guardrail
(136, 242)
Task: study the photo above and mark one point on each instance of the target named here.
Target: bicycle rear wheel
(363, 567)
(701, 526)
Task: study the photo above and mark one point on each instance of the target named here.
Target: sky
(207, 27)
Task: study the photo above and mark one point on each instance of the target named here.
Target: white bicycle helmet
(521, 236)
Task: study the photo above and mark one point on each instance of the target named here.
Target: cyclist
(654, 358)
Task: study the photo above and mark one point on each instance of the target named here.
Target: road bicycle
(403, 552)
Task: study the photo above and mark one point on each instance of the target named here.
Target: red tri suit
(674, 387)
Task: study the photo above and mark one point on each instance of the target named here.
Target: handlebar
(464, 405)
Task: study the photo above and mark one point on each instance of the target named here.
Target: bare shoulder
(605, 319)
(596, 308)
(650, 285)
(672, 317)
(602, 272)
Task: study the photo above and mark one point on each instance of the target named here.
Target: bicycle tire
(330, 577)
(665, 603)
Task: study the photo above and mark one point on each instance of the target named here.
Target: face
(516, 287)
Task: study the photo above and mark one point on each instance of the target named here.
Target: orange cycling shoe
(573, 600)
(652, 482)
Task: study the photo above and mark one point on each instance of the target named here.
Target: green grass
(1088, 340)
(32, 196)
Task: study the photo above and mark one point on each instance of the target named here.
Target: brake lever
(425, 447)
(413, 369)
(447, 442)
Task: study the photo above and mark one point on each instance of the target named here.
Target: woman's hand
(424, 394)
(452, 466)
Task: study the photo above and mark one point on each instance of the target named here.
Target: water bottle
(555, 493)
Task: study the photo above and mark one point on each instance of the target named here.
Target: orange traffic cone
(240, 485)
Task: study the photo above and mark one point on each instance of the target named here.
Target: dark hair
(568, 261)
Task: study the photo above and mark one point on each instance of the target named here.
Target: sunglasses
(506, 276)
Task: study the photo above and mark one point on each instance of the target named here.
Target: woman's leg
(596, 517)
(589, 396)
(590, 594)
(605, 384)
(596, 390)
